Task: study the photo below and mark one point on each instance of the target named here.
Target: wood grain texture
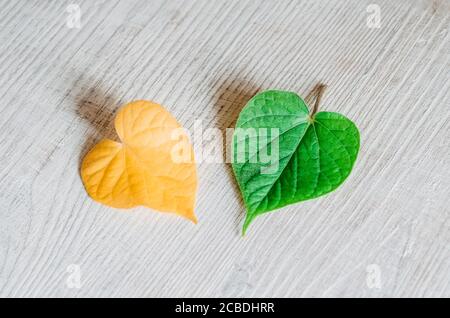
(203, 59)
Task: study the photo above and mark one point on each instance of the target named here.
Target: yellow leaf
(153, 166)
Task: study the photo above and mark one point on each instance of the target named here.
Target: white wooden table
(385, 232)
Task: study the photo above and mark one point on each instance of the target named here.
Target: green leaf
(308, 157)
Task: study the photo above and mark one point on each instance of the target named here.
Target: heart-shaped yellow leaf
(153, 166)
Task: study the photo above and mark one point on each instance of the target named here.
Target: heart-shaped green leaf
(283, 155)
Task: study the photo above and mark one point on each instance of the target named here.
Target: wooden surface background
(385, 232)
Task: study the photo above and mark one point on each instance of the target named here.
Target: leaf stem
(316, 93)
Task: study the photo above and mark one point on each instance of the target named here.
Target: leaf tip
(191, 217)
(248, 220)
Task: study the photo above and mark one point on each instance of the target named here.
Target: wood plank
(384, 233)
